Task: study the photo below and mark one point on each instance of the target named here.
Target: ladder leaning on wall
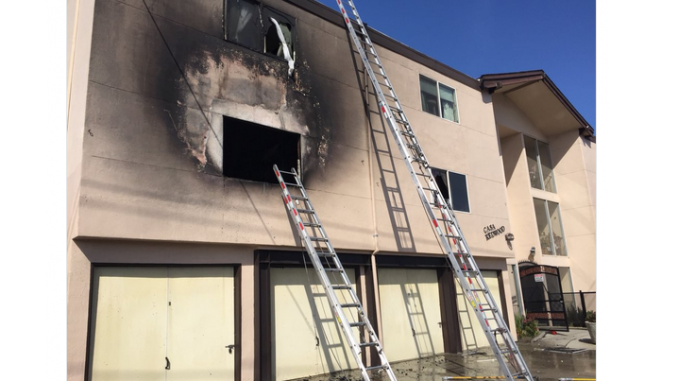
(325, 261)
(441, 216)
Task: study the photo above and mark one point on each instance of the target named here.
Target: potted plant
(591, 324)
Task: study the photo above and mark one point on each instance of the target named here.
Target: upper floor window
(250, 24)
(539, 165)
(549, 227)
(438, 99)
(454, 189)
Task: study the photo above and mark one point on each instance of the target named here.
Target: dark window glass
(244, 24)
(459, 192)
(429, 96)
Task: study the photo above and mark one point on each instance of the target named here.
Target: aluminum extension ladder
(325, 260)
(441, 216)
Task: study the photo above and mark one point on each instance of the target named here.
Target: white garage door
(306, 337)
(410, 310)
(162, 323)
(471, 329)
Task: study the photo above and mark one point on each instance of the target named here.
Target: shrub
(527, 328)
(591, 316)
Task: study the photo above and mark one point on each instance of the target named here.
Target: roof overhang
(539, 99)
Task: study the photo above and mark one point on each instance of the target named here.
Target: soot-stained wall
(162, 79)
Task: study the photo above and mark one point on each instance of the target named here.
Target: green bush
(591, 316)
(527, 328)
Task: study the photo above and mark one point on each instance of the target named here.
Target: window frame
(449, 189)
(545, 203)
(262, 9)
(440, 104)
(539, 167)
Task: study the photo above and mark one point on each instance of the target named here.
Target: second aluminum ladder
(440, 215)
(325, 261)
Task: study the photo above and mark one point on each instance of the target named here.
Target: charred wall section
(163, 81)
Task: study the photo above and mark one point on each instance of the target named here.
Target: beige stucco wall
(573, 159)
(138, 193)
(575, 171)
(136, 184)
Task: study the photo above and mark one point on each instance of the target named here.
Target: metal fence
(576, 305)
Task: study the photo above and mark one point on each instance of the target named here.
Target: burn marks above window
(248, 23)
(250, 150)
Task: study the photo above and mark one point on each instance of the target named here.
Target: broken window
(250, 150)
(250, 24)
(243, 23)
(453, 188)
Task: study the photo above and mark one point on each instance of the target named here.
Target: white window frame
(440, 105)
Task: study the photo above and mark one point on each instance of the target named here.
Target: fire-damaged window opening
(251, 149)
(453, 188)
(250, 24)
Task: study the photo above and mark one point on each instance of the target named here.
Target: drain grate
(564, 350)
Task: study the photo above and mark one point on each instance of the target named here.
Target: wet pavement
(540, 354)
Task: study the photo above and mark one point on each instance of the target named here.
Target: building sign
(491, 232)
(538, 269)
(539, 278)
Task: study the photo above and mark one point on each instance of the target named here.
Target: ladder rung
(313, 224)
(309, 211)
(488, 309)
(478, 289)
(320, 239)
(325, 254)
(299, 198)
(357, 324)
(371, 343)
(453, 236)
(341, 287)
(333, 270)
(376, 367)
(293, 185)
(288, 173)
(349, 305)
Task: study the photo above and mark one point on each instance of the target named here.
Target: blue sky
(480, 37)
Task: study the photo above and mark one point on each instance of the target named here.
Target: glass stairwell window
(539, 165)
(549, 227)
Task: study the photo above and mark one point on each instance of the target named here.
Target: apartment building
(182, 261)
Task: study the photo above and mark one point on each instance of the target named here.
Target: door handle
(167, 361)
(230, 348)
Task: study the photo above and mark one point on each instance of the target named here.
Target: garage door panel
(145, 315)
(470, 327)
(201, 321)
(410, 305)
(129, 324)
(306, 337)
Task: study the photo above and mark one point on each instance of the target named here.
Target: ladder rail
(337, 307)
(449, 219)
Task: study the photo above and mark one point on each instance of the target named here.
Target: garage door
(306, 337)
(162, 323)
(410, 310)
(472, 331)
